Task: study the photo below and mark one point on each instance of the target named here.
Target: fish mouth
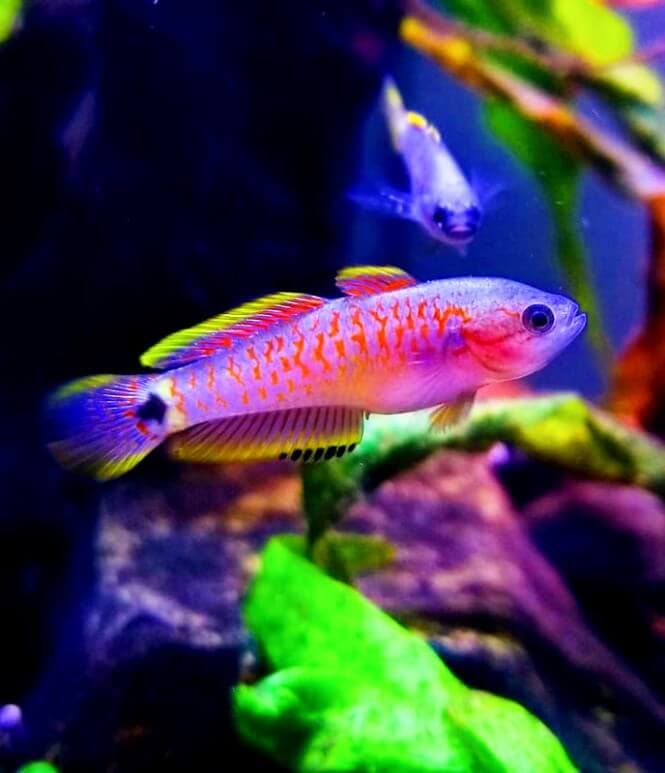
(461, 233)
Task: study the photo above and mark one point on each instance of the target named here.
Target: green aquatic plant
(566, 431)
(351, 690)
(561, 429)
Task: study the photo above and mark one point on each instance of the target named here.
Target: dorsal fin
(370, 280)
(219, 332)
(420, 122)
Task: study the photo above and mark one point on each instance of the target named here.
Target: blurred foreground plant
(350, 689)
(529, 60)
(9, 14)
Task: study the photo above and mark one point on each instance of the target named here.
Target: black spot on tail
(153, 409)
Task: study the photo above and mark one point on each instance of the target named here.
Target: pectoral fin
(452, 413)
(385, 201)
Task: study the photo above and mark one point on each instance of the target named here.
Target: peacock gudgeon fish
(294, 375)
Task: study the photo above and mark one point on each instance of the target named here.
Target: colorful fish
(294, 375)
(441, 199)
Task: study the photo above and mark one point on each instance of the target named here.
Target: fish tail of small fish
(104, 425)
(394, 111)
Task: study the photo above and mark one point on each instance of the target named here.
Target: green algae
(562, 430)
(566, 431)
(352, 690)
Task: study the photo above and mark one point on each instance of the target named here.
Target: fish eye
(538, 318)
(441, 218)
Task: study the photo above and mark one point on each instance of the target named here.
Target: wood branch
(624, 166)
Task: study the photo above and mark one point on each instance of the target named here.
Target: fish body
(300, 374)
(440, 198)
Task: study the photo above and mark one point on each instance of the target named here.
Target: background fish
(441, 199)
(294, 375)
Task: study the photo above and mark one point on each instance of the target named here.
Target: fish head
(512, 330)
(454, 224)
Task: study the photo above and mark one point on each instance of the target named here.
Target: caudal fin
(104, 425)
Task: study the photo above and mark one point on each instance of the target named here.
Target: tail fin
(104, 425)
(393, 109)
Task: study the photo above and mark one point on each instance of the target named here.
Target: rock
(466, 560)
(164, 641)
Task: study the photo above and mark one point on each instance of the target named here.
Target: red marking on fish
(299, 345)
(318, 352)
(410, 323)
(382, 320)
(256, 366)
(359, 337)
(333, 330)
(234, 371)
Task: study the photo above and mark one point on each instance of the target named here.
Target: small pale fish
(441, 199)
(294, 375)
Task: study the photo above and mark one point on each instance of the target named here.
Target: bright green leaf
(40, 766)
(630, 81)
(587, 28)
(354, 691)
(9, 11)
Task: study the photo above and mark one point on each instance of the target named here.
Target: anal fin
(448, 414)
(307, 434)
